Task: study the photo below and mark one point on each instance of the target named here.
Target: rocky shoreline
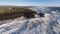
(27, 13)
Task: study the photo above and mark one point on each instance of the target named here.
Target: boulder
(41, 14)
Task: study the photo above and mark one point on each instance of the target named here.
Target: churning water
(49, 24)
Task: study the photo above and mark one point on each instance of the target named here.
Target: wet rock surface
(41, 14)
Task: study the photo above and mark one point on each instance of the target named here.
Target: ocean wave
(49, 24)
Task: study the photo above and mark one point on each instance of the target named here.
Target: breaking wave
(49, 24)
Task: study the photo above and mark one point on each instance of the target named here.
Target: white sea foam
(50, 24)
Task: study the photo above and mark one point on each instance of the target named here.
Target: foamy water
(49, 24)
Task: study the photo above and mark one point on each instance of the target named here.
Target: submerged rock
(13, 12)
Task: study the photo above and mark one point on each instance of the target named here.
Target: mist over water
(49, 24)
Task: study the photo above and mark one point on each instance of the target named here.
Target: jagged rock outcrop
(13, 12)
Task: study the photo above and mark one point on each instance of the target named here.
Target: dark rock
(27, 13)
(41, 14)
